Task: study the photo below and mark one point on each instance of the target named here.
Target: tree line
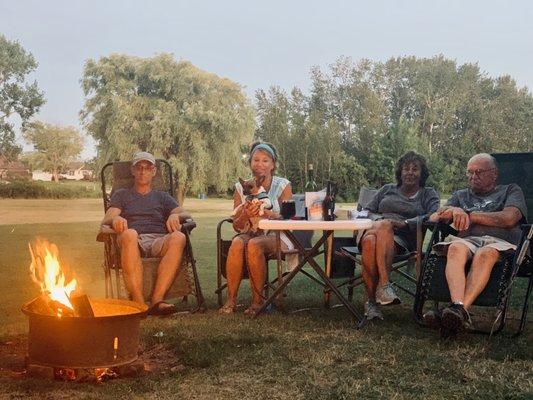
(353, 124)
(359, 118)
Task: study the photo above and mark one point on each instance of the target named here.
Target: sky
(260, 44)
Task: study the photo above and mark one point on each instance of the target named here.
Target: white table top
(303, 225)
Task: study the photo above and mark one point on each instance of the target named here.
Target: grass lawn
(314, 354)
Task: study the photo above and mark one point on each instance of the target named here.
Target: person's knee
(458, 251)
(255, 248)
(485, 256)
(237, 245)
(384, 226)
(368, 243)
(176, 240)
(129, 237)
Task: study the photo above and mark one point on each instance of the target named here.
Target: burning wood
(82, 305)
(60, 295)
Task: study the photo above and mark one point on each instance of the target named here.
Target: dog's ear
(242, 181)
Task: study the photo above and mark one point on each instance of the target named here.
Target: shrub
(47, 190)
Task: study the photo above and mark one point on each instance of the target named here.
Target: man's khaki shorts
(474, 243)
(151, 244)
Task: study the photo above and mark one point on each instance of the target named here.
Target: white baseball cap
(143, 155)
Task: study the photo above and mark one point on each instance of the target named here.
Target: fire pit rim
(142, 311)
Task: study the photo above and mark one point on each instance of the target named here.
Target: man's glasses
(478, 172)
(139, 167)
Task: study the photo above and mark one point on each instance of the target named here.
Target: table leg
(349, 305)
(279, 299)
(329, 251)
(279, 289)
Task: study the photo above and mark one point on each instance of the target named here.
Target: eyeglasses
(140, 167)
(478, 172)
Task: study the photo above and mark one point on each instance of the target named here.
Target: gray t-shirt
(146, 213)
(390, 203)
(502, 196)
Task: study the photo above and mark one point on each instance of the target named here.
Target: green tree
(194, 119)
(18, 98)
(55, 146)
(359, 118)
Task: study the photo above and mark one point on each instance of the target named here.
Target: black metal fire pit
(109, 339)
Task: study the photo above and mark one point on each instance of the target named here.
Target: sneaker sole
(432, 322)
(452, 322)
(390, 303)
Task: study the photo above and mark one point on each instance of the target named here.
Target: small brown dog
(254, 192)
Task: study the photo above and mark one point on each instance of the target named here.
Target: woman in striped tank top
(256, 249)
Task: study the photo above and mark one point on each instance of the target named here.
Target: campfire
(60, 296)
(71, 335)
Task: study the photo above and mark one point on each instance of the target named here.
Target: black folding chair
(116, 175)
(513, 168)
(347, 256)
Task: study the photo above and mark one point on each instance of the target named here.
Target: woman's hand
(251, 208)
(398, 224)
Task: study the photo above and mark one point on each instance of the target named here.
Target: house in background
(13, 170)
(39, 175)
(75, 171)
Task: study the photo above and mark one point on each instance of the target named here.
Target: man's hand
(447, 214)
(461, 220)
(443, 214)
(119, 224)
(173, 223)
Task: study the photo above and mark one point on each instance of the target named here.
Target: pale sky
(259, 44)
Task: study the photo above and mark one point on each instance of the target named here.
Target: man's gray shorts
(151, 244)
(474, 243)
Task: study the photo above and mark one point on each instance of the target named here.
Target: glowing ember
(47, 272)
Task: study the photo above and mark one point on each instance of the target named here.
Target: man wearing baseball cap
(147, 222)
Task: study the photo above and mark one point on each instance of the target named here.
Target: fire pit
(70, 334)
(109, 339)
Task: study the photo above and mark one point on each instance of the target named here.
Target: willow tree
(18, 97)
(194, 119)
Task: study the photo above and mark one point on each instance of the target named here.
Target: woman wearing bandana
(252, 251)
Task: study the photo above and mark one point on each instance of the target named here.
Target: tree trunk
(181, 191)
(55, 175)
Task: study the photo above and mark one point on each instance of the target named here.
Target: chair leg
(200, 301)
(117, 281)
(523, 319)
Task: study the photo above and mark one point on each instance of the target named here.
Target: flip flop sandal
(227, 309)
(156, 309)
(252, 310)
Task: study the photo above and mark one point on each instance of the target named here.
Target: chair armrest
(105, 233)
(444, 228)
(188, 225)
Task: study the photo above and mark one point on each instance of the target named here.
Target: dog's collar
(258, 196)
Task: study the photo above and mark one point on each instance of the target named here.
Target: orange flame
(47, 272)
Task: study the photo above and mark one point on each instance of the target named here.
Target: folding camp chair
(513, 168)
(224, 243)
(117, 175)
(346, 256)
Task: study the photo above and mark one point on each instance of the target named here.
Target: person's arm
(242, 214)
(506, 218)
(286, 194)
(449, 214)
(112, 218)
(177, 215)
(431, 202)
